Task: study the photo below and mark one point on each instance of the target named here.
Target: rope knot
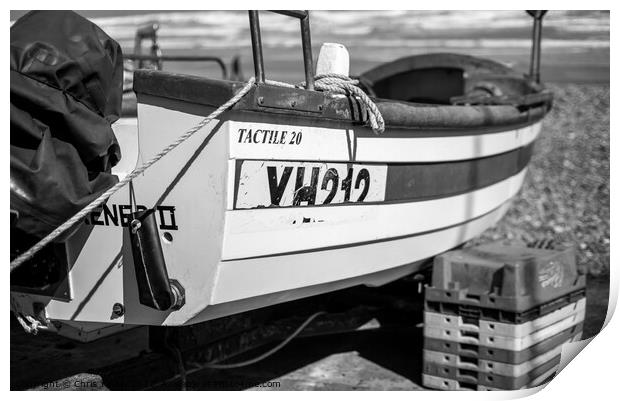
(342, 84)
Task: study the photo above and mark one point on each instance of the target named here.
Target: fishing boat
(290, 192)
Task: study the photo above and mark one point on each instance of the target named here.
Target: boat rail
(149, 31)
(257, 47)
(537, 15)
(304, 18)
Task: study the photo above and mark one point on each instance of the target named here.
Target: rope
(30, 324)
(268, 353)
(103, 197)
(347, 86)
(183, 373)
(342, 84)
(30, 328)
(333, 83)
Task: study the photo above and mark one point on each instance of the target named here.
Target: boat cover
(66, 90)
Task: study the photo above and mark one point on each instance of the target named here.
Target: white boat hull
(232, 252)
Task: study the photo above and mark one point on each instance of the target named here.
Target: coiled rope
(344, 85)
(333, 83)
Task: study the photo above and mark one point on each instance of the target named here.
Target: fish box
(493, 367)
(469, 378)
(501, 354)
(505, 276)
(490, 327)
(497, 316)
(475, 337)
(443, 383)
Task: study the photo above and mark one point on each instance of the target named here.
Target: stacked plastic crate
(497, 315)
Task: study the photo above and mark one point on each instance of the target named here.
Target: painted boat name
(115, 215)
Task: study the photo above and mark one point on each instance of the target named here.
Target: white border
(593, 375)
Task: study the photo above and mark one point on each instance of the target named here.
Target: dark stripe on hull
(413, 182)
(425, 181)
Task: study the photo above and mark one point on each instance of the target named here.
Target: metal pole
(257, 47)
(306, 44)
(307, 51)
(142, 57)
(536, 39)
(292, 13)
(148, 31)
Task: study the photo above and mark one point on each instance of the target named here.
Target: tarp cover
(66, 90)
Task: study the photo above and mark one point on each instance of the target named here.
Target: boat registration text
(278, 183)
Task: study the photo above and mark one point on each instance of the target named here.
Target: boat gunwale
(419, 131)
(530, 105)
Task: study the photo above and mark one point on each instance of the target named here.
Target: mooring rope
(333, 83)
(103, 197)
(268, 353)
(196, 367)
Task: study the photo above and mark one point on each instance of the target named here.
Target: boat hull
(257, 209)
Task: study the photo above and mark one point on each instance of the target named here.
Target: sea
(575, 46)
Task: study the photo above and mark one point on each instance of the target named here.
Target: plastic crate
(486, 366)
(491, 380)
(502, 276)
(498, 315)
(504, 355)
(491, 327)
(442, 383)
(513, 343)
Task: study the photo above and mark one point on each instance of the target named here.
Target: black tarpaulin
(66, 90)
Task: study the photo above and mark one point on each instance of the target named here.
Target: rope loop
(343, 85)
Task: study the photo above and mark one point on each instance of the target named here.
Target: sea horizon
(575, 44)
